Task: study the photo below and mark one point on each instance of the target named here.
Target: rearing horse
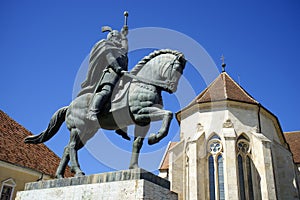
(157, 72)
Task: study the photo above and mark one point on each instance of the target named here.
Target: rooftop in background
(293, 139)
(221, 89)
(224, 88)
(165, 160)
(14, 151)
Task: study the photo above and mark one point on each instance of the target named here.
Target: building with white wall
(21, 163)
(231, 147)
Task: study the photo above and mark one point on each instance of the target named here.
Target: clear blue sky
(43, 43)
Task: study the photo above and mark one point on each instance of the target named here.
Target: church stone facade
(230, 147)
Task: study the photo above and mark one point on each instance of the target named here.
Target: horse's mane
(155, 53)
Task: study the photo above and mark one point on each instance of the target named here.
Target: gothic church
(231, 147)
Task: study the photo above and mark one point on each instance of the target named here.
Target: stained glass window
(221, 178)
(241, 178)
(216, 169)
(211, 178)
(245, 169)
(249, 175)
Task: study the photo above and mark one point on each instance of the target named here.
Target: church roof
(224, 88)
(293, 139)
(13, 150)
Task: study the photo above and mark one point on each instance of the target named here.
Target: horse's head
(172, 70)
(162, 68)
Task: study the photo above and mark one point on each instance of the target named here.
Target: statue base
(125, 184)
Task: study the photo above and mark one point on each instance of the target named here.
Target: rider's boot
(123, 132)
(96, 105)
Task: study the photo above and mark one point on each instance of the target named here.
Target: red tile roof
(293, 139)
(165, 162)
(13, 150)
(224, 88)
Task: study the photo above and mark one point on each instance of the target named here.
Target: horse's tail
(56, 121)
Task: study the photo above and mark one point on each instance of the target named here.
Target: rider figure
(109, 58)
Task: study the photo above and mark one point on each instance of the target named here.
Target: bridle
(169, 69)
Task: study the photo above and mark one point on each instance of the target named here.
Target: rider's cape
(97, 63)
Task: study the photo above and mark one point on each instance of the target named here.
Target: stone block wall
(127, 184)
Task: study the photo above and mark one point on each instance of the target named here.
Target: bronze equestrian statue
(138, 102)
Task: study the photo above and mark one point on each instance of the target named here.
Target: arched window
(7, 189)
(211, 164)
(244, 168)
(215, 168)
(221, 177)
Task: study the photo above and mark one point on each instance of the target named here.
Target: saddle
(119, 98)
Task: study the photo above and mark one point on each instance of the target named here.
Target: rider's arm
(124, 42)
(113, 63)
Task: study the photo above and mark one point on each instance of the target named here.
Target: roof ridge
(196, 99)
(212, 84)
(20, 125)
(225, 88)
(222, 89)
(241, 88)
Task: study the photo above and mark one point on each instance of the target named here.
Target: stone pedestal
(125, 184)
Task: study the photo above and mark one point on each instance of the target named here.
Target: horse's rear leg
(74, 145)
(63, 163)
(139, 135)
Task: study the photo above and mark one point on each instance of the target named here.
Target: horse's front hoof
(152, 139)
